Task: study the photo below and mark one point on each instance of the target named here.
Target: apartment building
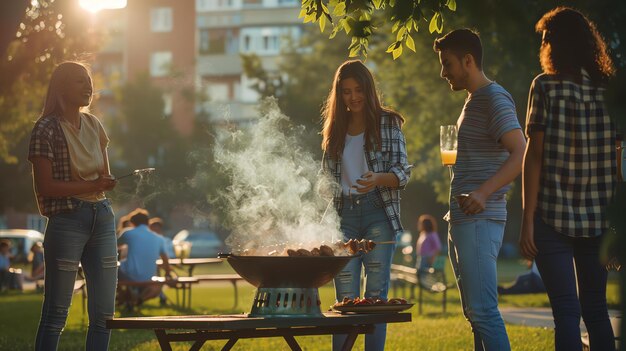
(228, 28)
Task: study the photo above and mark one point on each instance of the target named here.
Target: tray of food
(371, 305)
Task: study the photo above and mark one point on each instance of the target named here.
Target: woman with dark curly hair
(569, 176)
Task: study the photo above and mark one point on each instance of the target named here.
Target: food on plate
(357, 301)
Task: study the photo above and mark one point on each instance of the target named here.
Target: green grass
(430, 331)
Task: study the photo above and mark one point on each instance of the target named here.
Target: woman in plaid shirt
(365, 151)
(569, 176)
(71, 173)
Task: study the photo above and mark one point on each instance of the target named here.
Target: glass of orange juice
(448, 144)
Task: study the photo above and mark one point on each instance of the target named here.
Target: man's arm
(515, 143)
(530, 191)
(166, 264)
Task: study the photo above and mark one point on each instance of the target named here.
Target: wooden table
(190, 263)
(235, 327)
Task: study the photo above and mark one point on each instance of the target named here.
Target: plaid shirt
(390, 158)
(48, 141)
(579, 165)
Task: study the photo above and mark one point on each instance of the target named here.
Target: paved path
(542, 317)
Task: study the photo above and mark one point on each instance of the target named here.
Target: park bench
(431, 280)
(125, 294)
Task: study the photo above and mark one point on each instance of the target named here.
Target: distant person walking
(490, 150)
(68, 151)
(365, 152)
(569, 176)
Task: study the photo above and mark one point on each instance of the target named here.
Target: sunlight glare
(97, 5)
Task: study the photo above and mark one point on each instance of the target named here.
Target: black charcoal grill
(287, 286)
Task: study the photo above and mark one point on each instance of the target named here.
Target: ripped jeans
(363, 217)
(87, 236)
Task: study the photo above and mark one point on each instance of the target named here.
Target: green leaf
(452, 5)
(309, 18)
(440, 24)
(355, 51)
(340, 9)
(397, 52)
(302, 13)
(395, 26)
(322, 23)
(432, 26)
(391, 47)
(378, 3)
(400, 33)
(410, 43)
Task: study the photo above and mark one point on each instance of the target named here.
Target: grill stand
(286, 302)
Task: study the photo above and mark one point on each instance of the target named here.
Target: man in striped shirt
(489, 157)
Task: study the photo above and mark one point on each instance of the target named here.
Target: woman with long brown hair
(365, 151)
(68, 151)
(569, 176)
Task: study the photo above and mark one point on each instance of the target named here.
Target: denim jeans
(85, 236)
(473, 249)
(363, 217)
(568, 265)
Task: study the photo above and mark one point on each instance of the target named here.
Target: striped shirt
(390, 157)
(488, 114)
(579, 164)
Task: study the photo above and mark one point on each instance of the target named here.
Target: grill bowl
(286, 271)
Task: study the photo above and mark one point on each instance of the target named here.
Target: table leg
(162, 337)
(293, 344)
(189, 298)
(236, 293)
(350, 340)
(229, 345)
(197, 345)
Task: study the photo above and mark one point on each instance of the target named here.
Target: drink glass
(448, 144)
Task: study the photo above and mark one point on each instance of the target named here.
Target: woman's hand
(527, 241)
(368, 181)
(105, 182)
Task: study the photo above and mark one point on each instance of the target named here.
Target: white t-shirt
(353, 163)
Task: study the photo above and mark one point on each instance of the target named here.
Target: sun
(97, 5)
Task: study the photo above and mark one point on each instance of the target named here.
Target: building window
(161, 19)
(160, 63)
(252, 2)
(208, 5)
(214, 41)
(217, 92)
(203, 46)
(167, 105)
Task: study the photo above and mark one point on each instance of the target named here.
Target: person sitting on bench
(143, 249)
(527, 283)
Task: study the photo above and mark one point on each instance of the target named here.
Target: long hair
(426, 223)
(336, 117)
(54, 103)
(572, 42)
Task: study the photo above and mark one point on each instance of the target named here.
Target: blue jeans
(363, 217)
(473, 249)
(558, 255)
(85, 236)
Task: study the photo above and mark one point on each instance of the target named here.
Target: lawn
(432, 330)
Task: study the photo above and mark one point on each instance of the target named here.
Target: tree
(47, 32)
(357, 18)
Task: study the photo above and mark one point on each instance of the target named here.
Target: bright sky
(97, 5)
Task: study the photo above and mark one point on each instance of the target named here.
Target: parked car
(21, 242)
(204, 243)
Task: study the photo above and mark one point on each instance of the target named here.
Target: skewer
(137, 171)
(384, 242)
